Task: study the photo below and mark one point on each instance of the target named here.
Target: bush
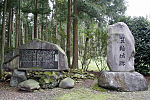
(140, 28)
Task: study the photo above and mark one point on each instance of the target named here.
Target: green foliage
(28, 6)
(79, 75)
(93, 45)
(8, 49)
(102, 10)
(12, 3)
(97, 88)
(99, 45)
(140, 28)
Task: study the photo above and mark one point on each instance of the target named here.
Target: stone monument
(120, 60)
(121, 50)
(36, 55)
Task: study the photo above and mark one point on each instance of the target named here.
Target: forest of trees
(78, 26)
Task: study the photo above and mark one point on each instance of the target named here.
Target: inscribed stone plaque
(38, 59)
(36, 55)
(120, 48)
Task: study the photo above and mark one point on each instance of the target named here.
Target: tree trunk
(32, 37)
(16, 36)
(26, 28)
(3, 36)
(75, 37)
(69, 32)
(19, 19)
(10, 28)
(35, 19)
(56, 29)
(50, 32)
(56, 32)
(42, 31)
(46, 33)
(40, 37)
(23, 34)
(17, 42)
(12, 31)
(85, 54)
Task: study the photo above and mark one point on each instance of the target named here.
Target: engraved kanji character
(122, 39)
(122, 55)
(121, 63)
(122, 48)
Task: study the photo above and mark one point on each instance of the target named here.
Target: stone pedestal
(123, 81)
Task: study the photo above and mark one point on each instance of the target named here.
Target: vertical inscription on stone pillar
(122, 50)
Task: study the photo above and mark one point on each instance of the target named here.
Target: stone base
(123, 81)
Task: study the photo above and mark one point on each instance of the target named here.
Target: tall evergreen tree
(36, 7)
(35, 19)
(3, 35)
(69, 32)
(75, 36)
(18, 19)
(9, 40)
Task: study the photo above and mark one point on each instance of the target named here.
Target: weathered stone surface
(12, 59)
(10, 66)
(17, 77)
(50, 80)
(29, 85)
(67, 83)
(120, 48)
(122, 81)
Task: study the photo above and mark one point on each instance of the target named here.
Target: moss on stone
(97, 88)
(48, 73)
(37, 67)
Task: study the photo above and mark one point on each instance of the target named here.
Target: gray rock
(67, 83)
(120, 48)
(11, 64)
(12, 59)
(123, 81)
(29, 85)
(50, 80)
(17, 77)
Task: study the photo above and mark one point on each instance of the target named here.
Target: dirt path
(82, 91)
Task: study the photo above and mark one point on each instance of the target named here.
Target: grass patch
(83, 94)
(97, 88)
